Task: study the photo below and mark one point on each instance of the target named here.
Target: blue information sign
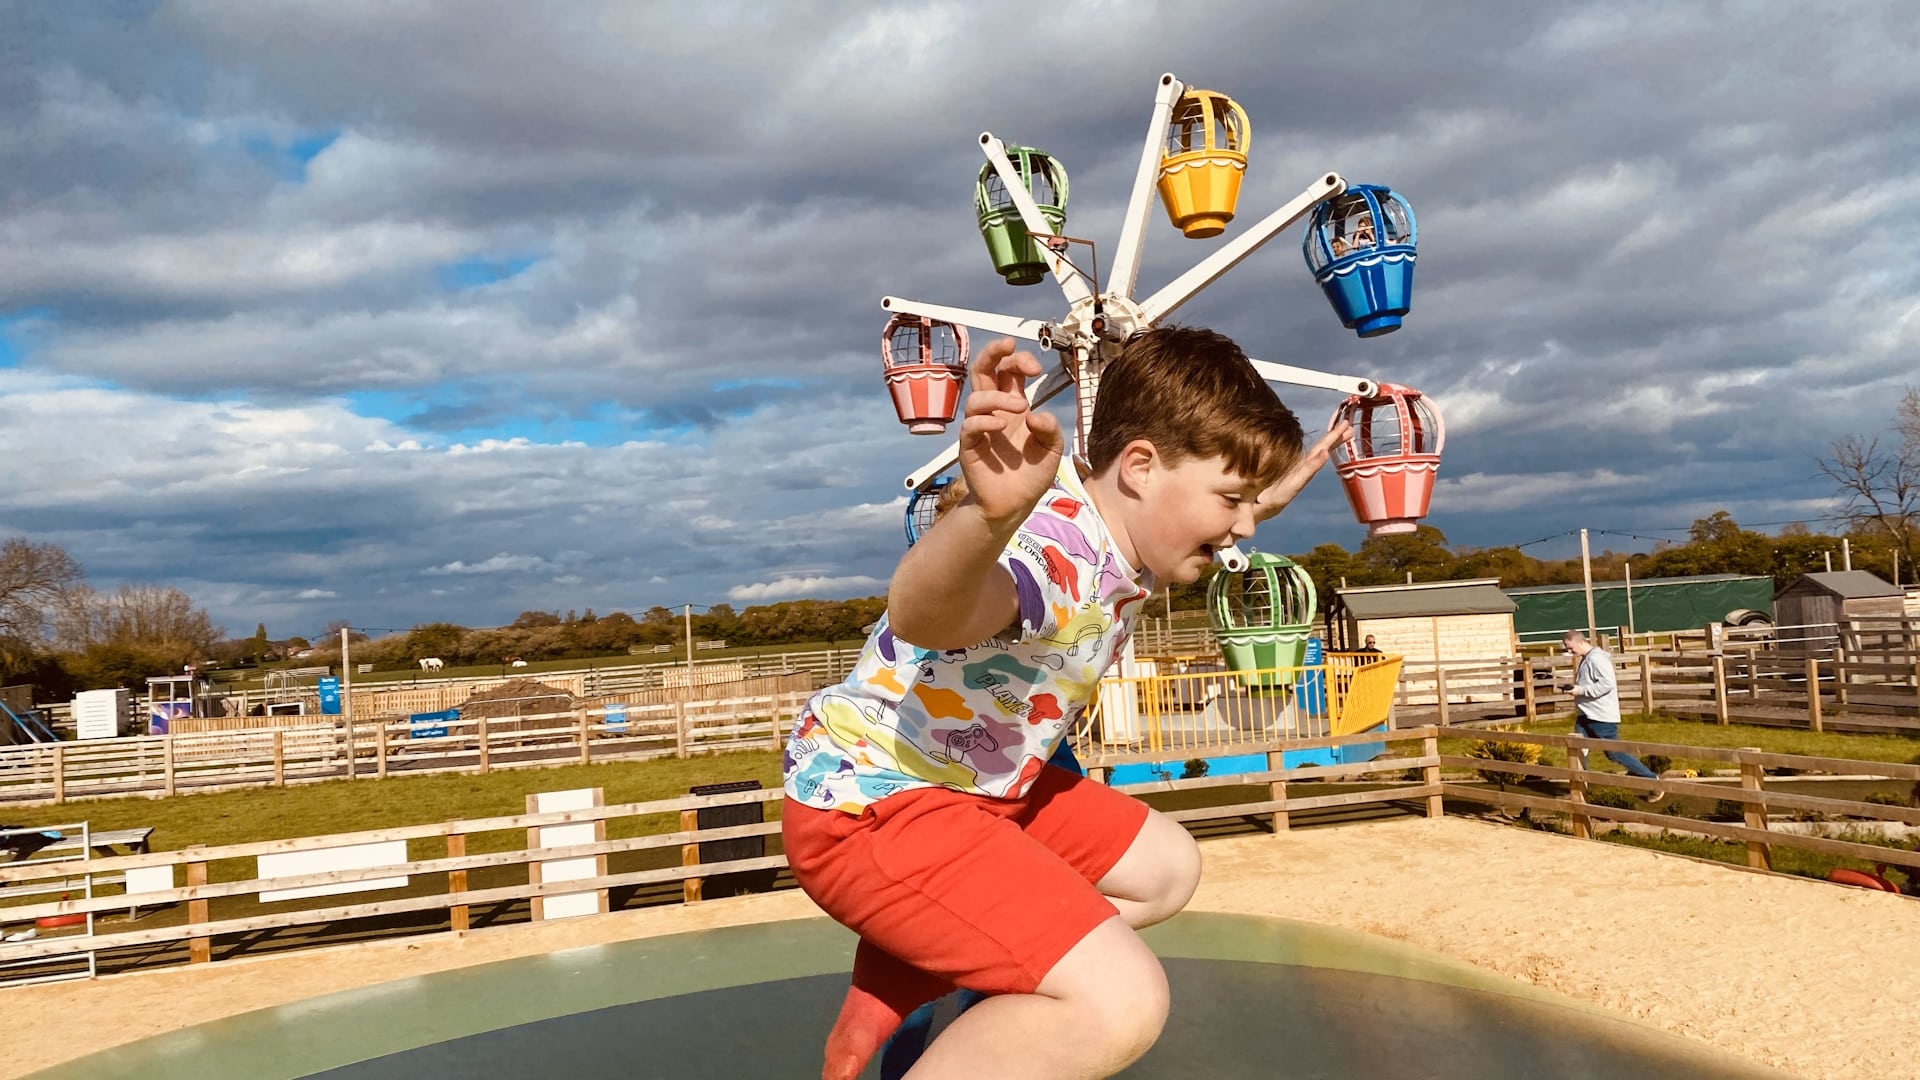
(616, 717)
(1313, 684)
(329, 695)
(430, 725)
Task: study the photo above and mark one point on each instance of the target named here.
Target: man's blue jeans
(1596, 729)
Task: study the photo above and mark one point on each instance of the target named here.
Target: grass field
(222, 818)
(253, 679)
(1661, 728)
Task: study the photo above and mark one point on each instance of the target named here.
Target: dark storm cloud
(1665, 260)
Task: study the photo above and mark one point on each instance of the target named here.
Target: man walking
(1596, 698)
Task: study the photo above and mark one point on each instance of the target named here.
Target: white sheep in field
(431, 663)
(519, 663)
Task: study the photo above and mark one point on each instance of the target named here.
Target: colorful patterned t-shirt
(982, 720)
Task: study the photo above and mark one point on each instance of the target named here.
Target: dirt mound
(520, 697)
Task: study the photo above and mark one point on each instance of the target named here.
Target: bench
(105, 842)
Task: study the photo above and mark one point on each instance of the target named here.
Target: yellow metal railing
(1186, 704)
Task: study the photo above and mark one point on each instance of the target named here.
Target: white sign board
(321, 860)
(567, 905)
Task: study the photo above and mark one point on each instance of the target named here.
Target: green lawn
(234, 817)
(1661, 728)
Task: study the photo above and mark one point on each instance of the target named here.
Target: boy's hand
(1275, 499)
(1009, 451)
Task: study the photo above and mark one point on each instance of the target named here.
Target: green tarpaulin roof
(1479, 597)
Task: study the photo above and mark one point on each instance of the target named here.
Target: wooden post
(680, 733)
(1813, 694)
(380, 747)
(1840, 675)
(773, 711)
(1646, 682)
(166, 755)
(690, 856)
(485, 761)
(1577, 792)
(1720, 688)
(199, 949)
(1526, 688)
(1277, 790)
(1440, 691)
(59, 774)
(457, 880)
(1759, 856)
(1430, 775)
(279, 758)
(1753, 673)
(580, 721)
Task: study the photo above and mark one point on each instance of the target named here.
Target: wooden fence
(622, 727)
(221, 888)
(1749, 684)
(1755, 798)
(219, 911)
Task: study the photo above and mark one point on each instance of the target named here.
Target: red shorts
(982, 893)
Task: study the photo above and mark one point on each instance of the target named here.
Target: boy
(920, 812)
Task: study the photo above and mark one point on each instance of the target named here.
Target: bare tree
(35, 580)
(156, 617)
(1881, 486)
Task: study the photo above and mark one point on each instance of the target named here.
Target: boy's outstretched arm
(1275, 499)
(950, 591)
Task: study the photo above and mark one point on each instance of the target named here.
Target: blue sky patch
(13, 334)
(289, 160)
(468, 414)
(482, 270)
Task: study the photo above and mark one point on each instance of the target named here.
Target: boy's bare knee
(1158, 874)
(1132, 1017)
(1117, 992)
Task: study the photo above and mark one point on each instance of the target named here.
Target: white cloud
(790, 588)
(498, 564)
(316, 594)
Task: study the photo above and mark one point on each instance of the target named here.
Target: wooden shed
(1430, 622)
(1833, 598)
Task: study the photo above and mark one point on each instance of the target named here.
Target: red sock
(884, 991)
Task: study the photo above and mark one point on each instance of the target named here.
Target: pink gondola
(926, 365)
(1388, 465)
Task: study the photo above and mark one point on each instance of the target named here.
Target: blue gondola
(920, 507)
(1360, 247)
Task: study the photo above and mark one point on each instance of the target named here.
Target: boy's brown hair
(1193, 394)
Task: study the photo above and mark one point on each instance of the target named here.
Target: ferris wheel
(1359, 244)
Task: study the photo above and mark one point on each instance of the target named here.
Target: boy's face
(1188, 511)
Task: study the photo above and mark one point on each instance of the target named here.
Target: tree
(35, 581)
(528, 620)
(1384, 560)
(137, 630)
(259, 646)
(439, 639)
(1881, 486)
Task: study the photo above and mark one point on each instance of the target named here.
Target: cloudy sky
(395, 311)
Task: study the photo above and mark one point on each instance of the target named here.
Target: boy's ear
(1136, 465)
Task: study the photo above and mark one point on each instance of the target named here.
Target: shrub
(1489, 750)
(1659, 763)
(1885, 798)
(1195, 767)
(1618, 798)
(1728, 810)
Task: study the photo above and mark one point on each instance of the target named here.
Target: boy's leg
(884, 991)
(1097, 1011)
(1144, 862)
(1157, 875)
(950, 882)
